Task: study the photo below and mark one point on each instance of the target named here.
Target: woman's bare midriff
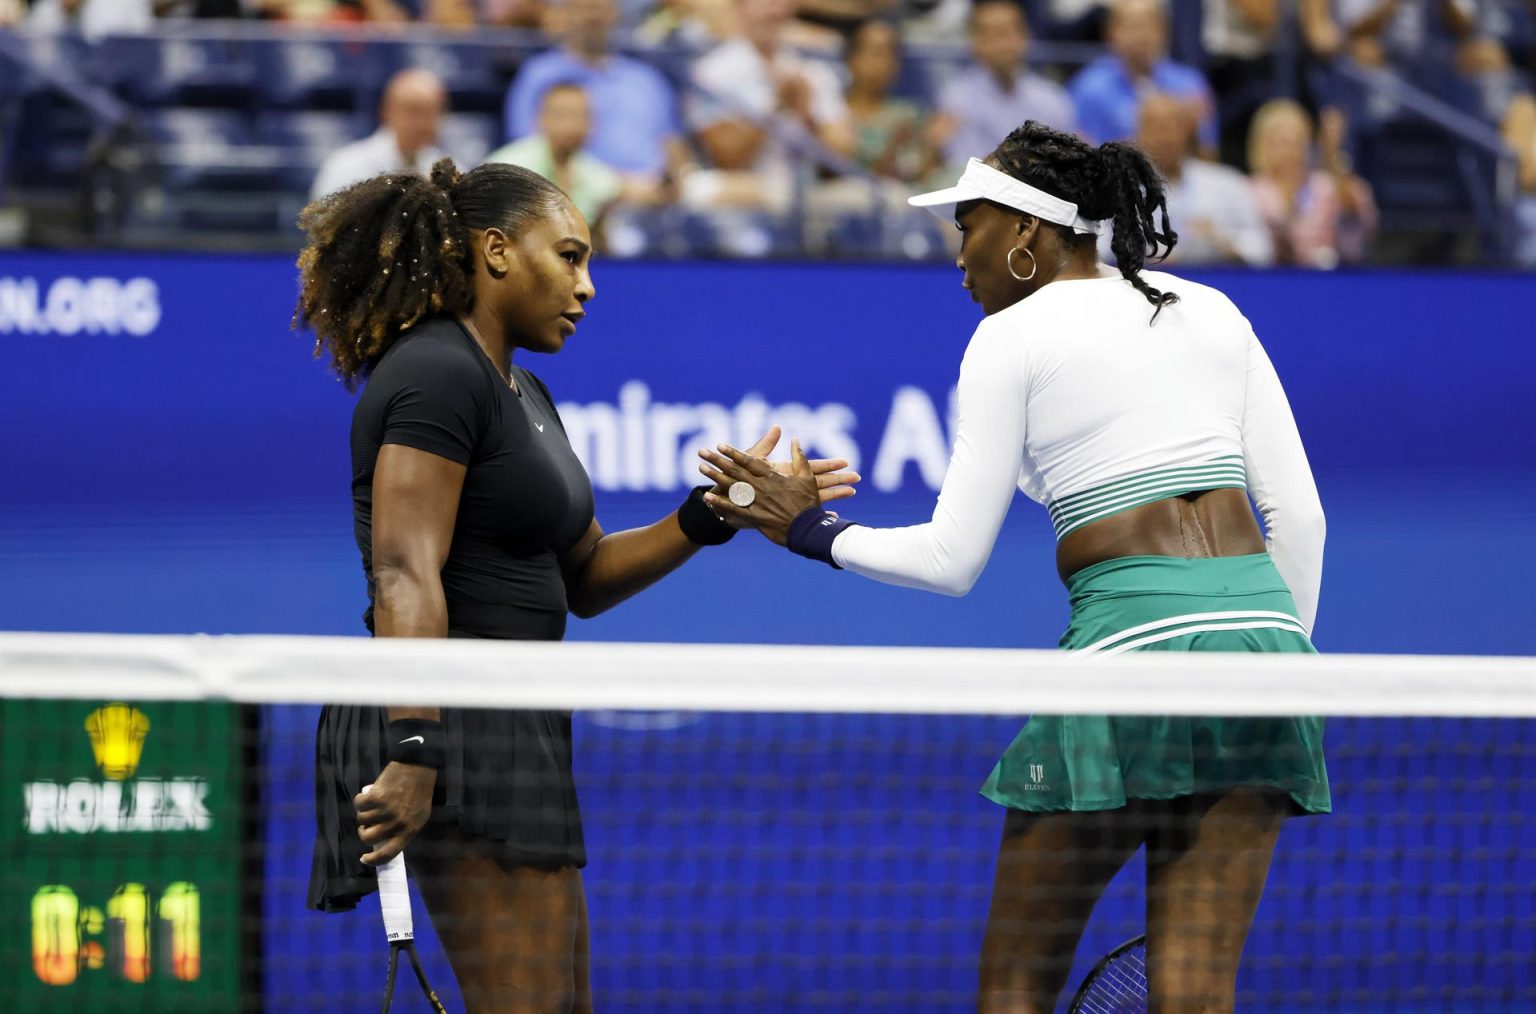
(1216, 522)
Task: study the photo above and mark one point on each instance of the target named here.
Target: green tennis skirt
(1160, 603)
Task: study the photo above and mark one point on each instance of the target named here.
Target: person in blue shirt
(996, 91)
(1108, 92)
(636, 126)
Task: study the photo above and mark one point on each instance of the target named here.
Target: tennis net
(768, 828)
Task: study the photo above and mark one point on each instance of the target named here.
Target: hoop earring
(1034, 265)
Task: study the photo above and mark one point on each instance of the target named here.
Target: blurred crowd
(810, 108)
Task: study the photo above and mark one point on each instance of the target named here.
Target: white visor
(981, 182)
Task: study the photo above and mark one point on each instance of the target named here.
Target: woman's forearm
(409, 605)
(623, 563)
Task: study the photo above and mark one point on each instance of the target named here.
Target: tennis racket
(1117, 984)
(395, 903)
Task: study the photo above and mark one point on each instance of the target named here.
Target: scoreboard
(121, 889)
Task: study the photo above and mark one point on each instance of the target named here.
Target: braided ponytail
(386, 253)
(1114, 181)
(1138, 202)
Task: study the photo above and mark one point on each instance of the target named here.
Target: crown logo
(117, 739)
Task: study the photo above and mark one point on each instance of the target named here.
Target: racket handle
(395, 898)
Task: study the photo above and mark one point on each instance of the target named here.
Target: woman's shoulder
(435, 351)
(1192, 292)
(1087, 299)
(436, 339)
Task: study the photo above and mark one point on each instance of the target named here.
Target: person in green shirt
(556, 152)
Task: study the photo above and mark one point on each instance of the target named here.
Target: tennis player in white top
(1141, 410)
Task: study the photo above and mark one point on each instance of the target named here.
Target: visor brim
(942, 202)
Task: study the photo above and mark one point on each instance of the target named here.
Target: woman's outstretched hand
(833, 479)
(779, 497)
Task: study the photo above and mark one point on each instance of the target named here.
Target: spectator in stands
(1073, 20)
(1108, 90)
(1513, 24)
(1211, 206)
(996, 92)
(322, 12)
(211, 10)
(942, 21)
(1446, 46)
(1319, 31)
(384, 12)
(1320, 216)
(461, 14)
(845, 16)
(450, 13)
(92, 18)
(636, 128)
(760, 104)
(304, 12)
(1487, 81)
(1239, 41)
(694, 23)
(1380, 33)
(409, 117)
(1243, 61)
(441, 13)
(531, 14)
(556, 152)
(1520, 134)
(891, 134)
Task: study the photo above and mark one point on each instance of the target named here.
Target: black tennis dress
(526, 501)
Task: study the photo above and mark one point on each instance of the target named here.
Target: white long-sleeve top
(1075, 398)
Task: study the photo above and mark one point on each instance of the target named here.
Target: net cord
(761, 678)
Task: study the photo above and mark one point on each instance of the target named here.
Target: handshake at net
(751, 491)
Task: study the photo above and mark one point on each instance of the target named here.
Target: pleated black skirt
(507, 780)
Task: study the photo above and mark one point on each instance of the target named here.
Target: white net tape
(773, 678)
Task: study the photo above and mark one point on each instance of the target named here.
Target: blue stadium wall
(173, 460)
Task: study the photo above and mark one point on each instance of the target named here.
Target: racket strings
(1119, 986)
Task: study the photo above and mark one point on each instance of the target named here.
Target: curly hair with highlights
(385, 254)
(1113, 181)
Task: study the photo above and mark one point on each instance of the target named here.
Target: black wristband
(700, 524)
(418, 741)
(813, 531)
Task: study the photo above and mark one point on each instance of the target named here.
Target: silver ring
(742, 494)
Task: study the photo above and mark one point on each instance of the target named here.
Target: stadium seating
(257, 112)
(176, 71)
(306, 137)
(318, 73)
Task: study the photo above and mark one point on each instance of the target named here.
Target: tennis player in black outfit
(474, 519)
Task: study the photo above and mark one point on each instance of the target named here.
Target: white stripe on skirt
(1236, 614)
